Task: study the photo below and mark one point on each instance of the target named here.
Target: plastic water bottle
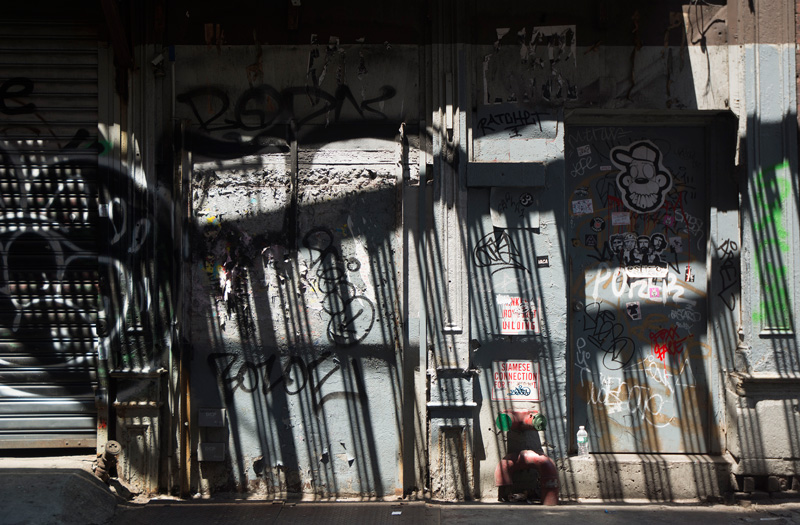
(583, 442)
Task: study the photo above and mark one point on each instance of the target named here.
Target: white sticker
(518, 316)
(620, 218)
(606, 168)
(584, 150)
(582, 207)
(676, 243)
(645, 271)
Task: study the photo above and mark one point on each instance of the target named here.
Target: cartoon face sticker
(643, 181)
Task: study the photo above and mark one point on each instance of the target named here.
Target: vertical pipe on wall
(179, 195)
(105, 125)
(450, 389)
(425, 172)
(184, 422)
(292, 212)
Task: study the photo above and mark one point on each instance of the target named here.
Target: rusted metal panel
(139, 434)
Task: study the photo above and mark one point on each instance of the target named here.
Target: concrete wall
(298, 210)
(517, 119)
(297, 265)
(763, 384)
(345, 259)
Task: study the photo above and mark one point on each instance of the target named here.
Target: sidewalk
(345, 513)
(62, 491)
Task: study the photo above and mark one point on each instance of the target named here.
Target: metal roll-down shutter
(48, 245)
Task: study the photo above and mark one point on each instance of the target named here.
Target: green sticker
(503, 422)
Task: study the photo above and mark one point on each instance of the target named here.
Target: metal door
(48, 236)
(637, 255)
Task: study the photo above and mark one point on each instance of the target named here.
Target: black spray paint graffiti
(643, 180)
(729, 273)
(59, 246)
(587, 135)
(351, 315)
(295, 375)
(139, 274)
(267, 112)
(606, 188)
(12, 89)
(48, 239)
(496, 251)
(605, 333)
(509, 121)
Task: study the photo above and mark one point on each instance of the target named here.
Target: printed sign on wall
(518, 315)
(515, 381)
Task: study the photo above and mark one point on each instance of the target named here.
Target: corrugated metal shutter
(48, 246)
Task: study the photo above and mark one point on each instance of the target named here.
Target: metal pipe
(548, 475)
(106, 465)
(520, 419)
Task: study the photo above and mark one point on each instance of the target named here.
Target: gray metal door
(48, 275)
(637, 251)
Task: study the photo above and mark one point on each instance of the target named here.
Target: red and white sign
(515, 381)
(517, 315)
